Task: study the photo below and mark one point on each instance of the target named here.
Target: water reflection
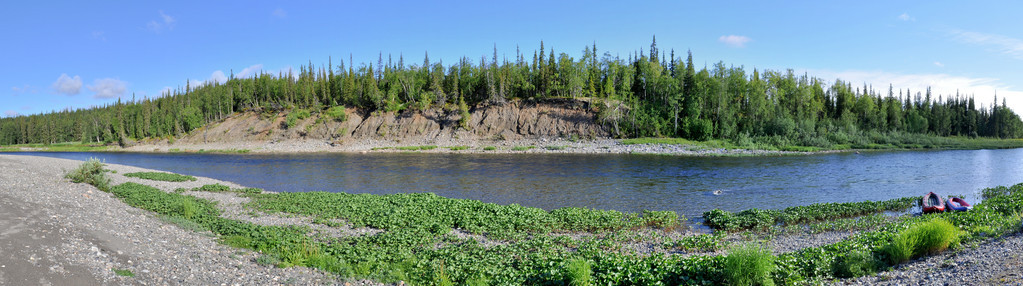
(621, 182)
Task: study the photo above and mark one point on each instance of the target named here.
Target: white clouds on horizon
(906, 17)
(166, 22)
(1002, 44)
(734, 40)
(983, 89)
(108, 88)
(67, 85)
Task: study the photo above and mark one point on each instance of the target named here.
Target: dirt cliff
(519, 119)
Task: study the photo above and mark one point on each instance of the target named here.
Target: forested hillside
(648, 93)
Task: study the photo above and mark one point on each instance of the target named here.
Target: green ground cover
(515, 245)
(160, 176)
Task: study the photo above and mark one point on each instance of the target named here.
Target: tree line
(647, 93)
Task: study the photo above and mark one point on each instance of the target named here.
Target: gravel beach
(55, 232)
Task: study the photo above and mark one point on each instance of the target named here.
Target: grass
(749, 264)
(417, 148)
(160, 176)
(489, 148)
(458, 148)
(522, 148)
(866, 140)
(556, 148)
(580, 272)
(91, 172)
(56, 147)
(123, 272)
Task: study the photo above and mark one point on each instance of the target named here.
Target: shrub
(337, 113)
(749, 264)
(90, 172)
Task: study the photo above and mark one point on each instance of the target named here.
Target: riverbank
(92, 233)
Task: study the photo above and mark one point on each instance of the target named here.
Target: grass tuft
(749, 264)
(90, 172)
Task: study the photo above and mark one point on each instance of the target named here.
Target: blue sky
(59, 55)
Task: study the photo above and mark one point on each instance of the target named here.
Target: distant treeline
(648, 93)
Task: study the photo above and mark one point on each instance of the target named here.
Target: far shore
(520, 146)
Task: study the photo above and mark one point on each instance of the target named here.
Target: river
(620, 182)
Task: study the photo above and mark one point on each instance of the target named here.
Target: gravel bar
(55, 232)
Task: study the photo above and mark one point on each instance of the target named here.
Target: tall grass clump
(927, 238)
(749, 264)
(579, 272)
(160, 176)
(90, 172)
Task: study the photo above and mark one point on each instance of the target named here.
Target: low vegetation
(91, 172)
(758, 219)
(160, 176)
(425, 239)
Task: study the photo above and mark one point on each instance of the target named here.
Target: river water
(621, 182)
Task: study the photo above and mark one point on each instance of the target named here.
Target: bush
(337, 113)
(90, 172)
(749, 264)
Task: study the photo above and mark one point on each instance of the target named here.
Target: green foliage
(644, 96)
(458, 148)
(900, 249)
(337, 113)
(489, 148)
(160, 176)
(90, 172)
(933, 236)
(417, 148)
(749, 264)
(579, 272)
(293, 117)
(699, 242)
(214, 188)
(123, 272)
(757, 219)
(855, 264)
(522, 148)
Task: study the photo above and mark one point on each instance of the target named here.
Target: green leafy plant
(579, 272)
(123, 272)
(160, 176)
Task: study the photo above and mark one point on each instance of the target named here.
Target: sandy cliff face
(519, 119)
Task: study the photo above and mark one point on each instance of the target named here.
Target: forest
(648, 93)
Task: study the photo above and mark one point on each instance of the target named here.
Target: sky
(60, 55)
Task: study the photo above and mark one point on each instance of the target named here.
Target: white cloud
(249, 71)
(983, 89)
(280, 13)
(108, 88)
(67, 85)
(1002, 44)
(218, 77)
(939, 64)
(165, 22)
(906, 17)
(11, 113)
(18, 90)
(735, 41)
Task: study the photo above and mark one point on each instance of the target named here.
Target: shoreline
(88, 233)
(455, 146)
